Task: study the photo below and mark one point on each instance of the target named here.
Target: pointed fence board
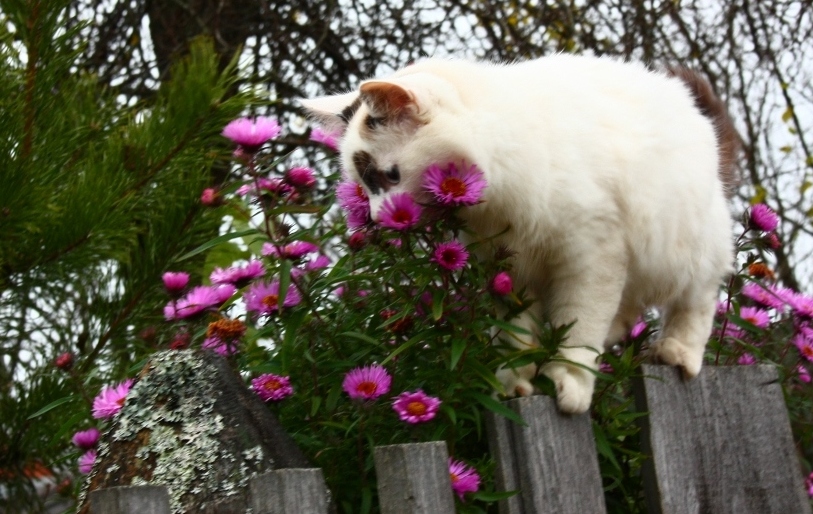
(289, 491)
(144, 499)
(720, 443)
(414, 478)
(552, 461)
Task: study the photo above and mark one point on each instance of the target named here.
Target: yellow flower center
(416, 408)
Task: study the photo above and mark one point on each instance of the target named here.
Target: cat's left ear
(388, 99)
(333, 111)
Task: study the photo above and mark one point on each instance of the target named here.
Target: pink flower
(329, 139)
(606, 367)
(86, 462)
(416, 407)
(263, 297)
(451, 255)
(763, 218)
(270, 387)
(175, 281)
(453, 185)
(803, 340)
(464, 478)
(275, 186)
(367, 383)
(501, 284)
(252, 134)
(86, 439)
(746, 359)
(209, 197)
(239, 276)
(219, 346)
(809, 485)
(64, 361)
(293, 250)
(198, 300)
(638, 329)
(351, 195)
(320, 262)
(400, 212)
(755, 316)
(804, 375)
(802, 305)
(111, 399)
(300, 177)
(767, 295)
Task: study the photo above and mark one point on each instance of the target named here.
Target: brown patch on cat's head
(728, 140)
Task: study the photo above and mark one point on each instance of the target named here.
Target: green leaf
(498, 408)
(458, 347)
(54, 404)
(603, 445)
(216, 241)
(284, 283)
(437, 304)
(504, 325)
(788, 114)
(493, 496)
(360, 337)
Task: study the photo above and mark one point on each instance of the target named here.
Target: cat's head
(393, 130)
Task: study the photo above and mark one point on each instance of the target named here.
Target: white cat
(610, 179)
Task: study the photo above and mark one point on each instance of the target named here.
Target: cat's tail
(728, 140)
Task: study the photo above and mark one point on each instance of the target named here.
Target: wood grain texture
(144, 499)
(720, 443)
(289, 491)
(414, 478)
(552, 461)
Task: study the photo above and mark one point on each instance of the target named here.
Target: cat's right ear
(333, 112)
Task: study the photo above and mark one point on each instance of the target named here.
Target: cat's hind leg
(517, 381)
(687, 325)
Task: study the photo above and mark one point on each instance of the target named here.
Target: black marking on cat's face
(393, 175)
(348, 112)
(371, 122)
(366, 168)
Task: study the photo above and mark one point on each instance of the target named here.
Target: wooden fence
(719, 444)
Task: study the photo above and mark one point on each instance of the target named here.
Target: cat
(610, 178)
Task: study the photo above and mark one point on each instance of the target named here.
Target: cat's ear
(388, 99)
(333, 111)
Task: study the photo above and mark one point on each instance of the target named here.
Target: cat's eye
(372, 122)
(393, 175)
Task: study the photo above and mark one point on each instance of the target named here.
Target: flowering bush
(358, 334)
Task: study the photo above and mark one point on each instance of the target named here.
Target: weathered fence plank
(289, 491)
(144, 499)
(414, 478)
(552, 461)
(720, 443)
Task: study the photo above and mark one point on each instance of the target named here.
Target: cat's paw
(516, 382)
(674, 353)
(574, 387)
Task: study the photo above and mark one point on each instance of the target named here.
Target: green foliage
(96, 198)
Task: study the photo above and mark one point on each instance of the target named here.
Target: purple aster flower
(804, 375)
(250, 134)
(809, 485)
(329, 139)
(399, 212)
(86, 461)
(86, 439)
(746, 359)
(175, 281)
(501, 284)
(209, 197)
(64, 361)
(358, 219)
(606, 367)
(111, 399)
(239, 276)
(453, 185)
(638, 329)
(301, 177)
(451, 255)
(351, 195)
(271, 387)
(763, 218)
(803, 340)
(198, 300)
(755, 316)
(464, 478)
(293, 250)
(767, 295)
(416, 407)
(802, 305)
(367, 383)
(219, 346)
(263, 297)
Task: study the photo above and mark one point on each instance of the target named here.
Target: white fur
(606, 174)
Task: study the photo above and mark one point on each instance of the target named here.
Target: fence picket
(414, 478)
(143, 499)
(720, 443)
(289, 491)
(552, 461)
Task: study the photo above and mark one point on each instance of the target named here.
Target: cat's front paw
(517, 382)
(674, 353)
(574, 387)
